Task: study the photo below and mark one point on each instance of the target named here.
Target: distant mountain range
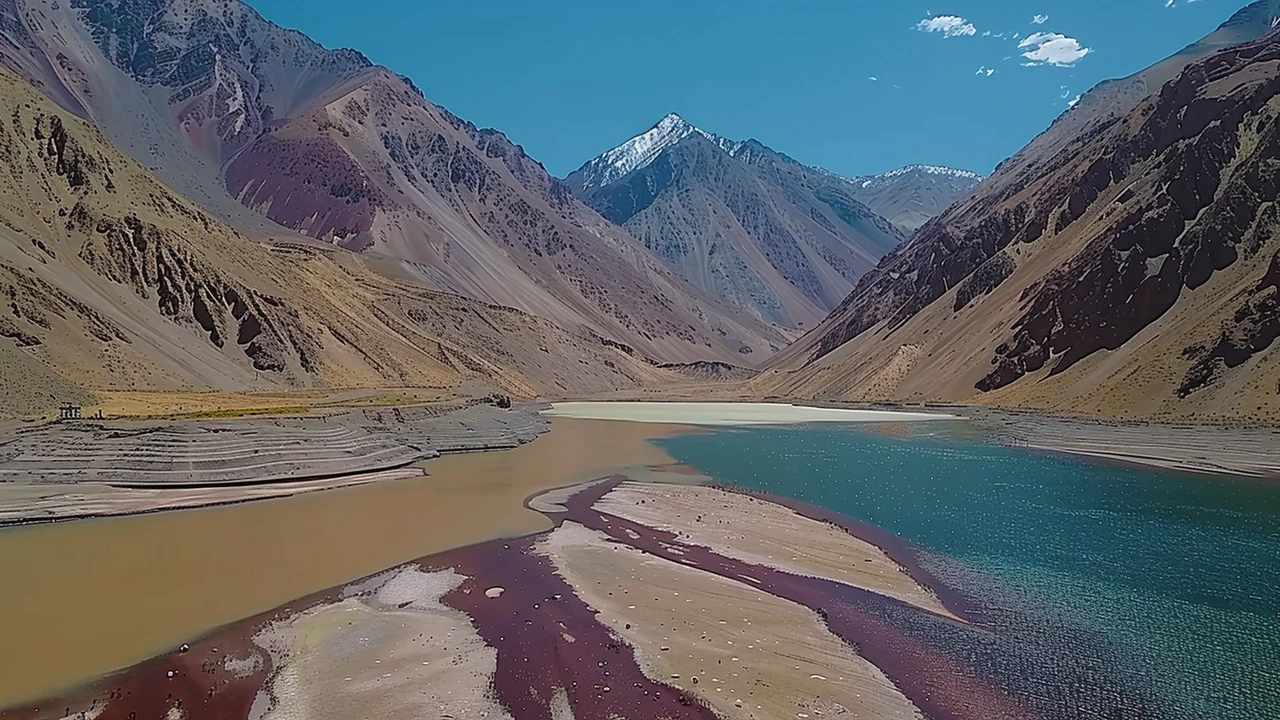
(753, 226)
(1125, 263)
(913, 195)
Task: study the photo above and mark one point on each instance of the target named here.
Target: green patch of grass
(225, 414)
(385, 401)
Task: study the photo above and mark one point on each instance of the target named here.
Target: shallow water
(1166, 584)
(78, 599)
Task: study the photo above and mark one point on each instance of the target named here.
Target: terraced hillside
(99, 468)
(142, 454)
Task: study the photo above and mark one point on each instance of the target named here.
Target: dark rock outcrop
(229, 70)
(985, 279)
(1115, 215)
(1209, 189)
(1047, 187)
(186, 289)
(1251, 330)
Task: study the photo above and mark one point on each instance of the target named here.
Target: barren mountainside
(740, 221)
(111, 281)
(1132, 272)
(277, 135)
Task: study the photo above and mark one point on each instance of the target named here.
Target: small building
(69, 412)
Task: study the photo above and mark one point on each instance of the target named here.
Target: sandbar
(729, 414)
(393, 651)
(744, 652)
(598, 618)
(765, 533)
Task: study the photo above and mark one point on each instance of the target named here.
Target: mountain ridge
(115, 283)
(739, 220)
(284, 138)
(641, 150)
(913, 195)
(1117, 265)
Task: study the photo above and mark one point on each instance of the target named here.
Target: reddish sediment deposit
(560, 625)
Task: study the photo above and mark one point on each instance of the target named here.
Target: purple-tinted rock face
(227, 69)
(307, 183)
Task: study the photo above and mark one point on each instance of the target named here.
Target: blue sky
(568, 79)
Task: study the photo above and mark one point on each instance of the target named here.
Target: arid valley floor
(575, 573)
(658, 593)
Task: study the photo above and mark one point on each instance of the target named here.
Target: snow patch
(872, 180)
(640, 151)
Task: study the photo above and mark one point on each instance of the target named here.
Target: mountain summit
(643, 149)
(741, 221)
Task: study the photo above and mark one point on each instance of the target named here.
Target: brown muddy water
(83, 598)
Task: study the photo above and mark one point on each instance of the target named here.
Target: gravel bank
(63, 471)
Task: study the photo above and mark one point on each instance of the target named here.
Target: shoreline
(278, 538)
(735, 414)
(1201, 450)
(900, 550)
(129, 504)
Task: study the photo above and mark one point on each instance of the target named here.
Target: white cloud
(1073, 102)
(1039, 19)
(873, 78)
(948, 25)
(1052, 49)
(1171, 3)
(985, 71)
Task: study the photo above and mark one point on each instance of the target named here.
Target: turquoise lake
(1176, 578)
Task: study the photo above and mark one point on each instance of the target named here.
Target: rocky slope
(741, 221)
(111, 281)
(1130, 271)
(270, 131)
(911, 196)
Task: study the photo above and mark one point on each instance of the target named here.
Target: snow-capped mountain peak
(643, 149)
(637, 152)
(869, 181)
